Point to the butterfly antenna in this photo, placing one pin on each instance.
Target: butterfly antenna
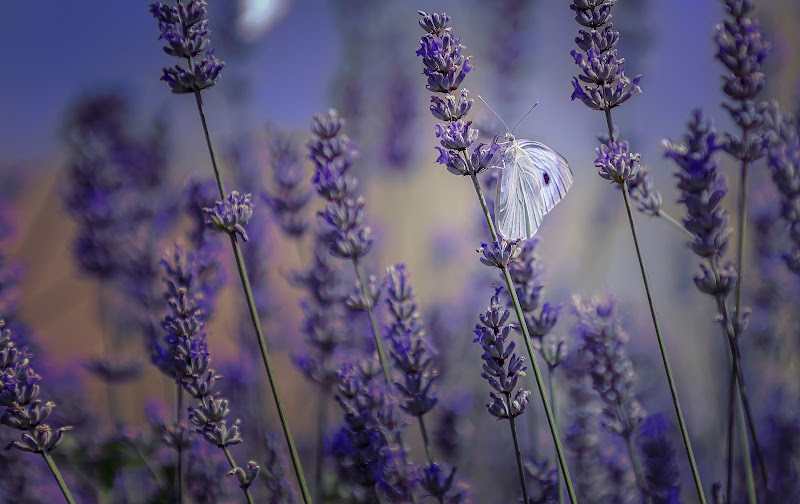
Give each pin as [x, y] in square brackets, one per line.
[495, 113]
[523, 117]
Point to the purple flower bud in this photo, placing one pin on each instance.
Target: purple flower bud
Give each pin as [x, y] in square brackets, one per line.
[616, 163]
[231, 214]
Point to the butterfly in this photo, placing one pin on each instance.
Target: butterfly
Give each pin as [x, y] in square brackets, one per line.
[533, 179]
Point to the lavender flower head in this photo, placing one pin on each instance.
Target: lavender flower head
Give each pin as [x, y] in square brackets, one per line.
[604, 343]
[411, 349]
[445, 68]
[602, 84]
[615, 162]
[702, 191]
[660, 464]
[502, 368]
[344, 216]
[784, 163]
[184, 28]
[742, 50]
[231, 215]
[289, 199]
[19, 397]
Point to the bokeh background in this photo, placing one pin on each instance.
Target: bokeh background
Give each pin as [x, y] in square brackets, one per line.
[287, 60]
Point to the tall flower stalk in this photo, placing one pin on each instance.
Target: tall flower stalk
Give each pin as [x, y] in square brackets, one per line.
[184, 28]
[445, 69]
[344, 217]
[22, 408]
[741, 49]
[184, 357]
[602, 85]
[503, 369]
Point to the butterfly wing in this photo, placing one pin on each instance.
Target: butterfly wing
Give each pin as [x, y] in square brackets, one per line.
[534, 179]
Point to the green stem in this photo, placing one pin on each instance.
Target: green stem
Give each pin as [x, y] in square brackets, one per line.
[262, 345]
[729, 454]
[57, 475]
[251, 305]
[322, 420]
[233, 465]
[662, 348]
[562, 461]
[179, 419]
[425, 441]
[376, 333]
[638, 471]
[667, 217]
[672, 389]
[554, 405]
[519, 456]
[748, 468]
[742, 221]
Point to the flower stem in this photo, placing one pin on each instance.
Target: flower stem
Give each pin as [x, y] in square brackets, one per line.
[376, 333]
[57, 475]
[322, 421]
[234, 466]
[519, 456]
[554, 405]
[667, 217]
[638, 472]
[425, 441]
[672, 389]
[562, 461]
[262, 344]
[179, 419]
[251, 305]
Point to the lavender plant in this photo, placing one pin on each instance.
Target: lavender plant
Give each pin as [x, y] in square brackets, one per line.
[603, 85]
[184, 28]
[446, 68]
[503, 369]
[22, 408]
[343, 218]
[784, 163]
[604, 343]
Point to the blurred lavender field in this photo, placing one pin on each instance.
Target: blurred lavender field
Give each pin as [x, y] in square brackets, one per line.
[103, 172]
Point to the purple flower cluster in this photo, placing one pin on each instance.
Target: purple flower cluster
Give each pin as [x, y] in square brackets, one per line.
[502, 368]
[184, 29]
[702, 191]
[784, 162]
[446, 68]
[641, 190]
[411, 349]
[741, 48]
[184, 357]
[289, 198]
[231, 215]
[333, 154]
[615, 161]
[660, 465]
[274, 474]
[367, 445]
[602, 84]
[526, 272]
[19, 397]
[604, 342]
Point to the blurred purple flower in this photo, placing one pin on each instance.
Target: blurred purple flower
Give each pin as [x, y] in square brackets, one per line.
[784, 162]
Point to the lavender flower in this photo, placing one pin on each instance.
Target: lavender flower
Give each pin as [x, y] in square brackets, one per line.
[184, 29]
[446, 68]
[231, 215]
[784, 162]
[604, 341]
[411, 350]
[641, 190]
[274, 474]
[702, 191]
[742, 49]
[499, 254]
[616, 163]
[502, 368]
[661, 468]
[602, 84]
[344, 215]
[19, 396]
[289, 199]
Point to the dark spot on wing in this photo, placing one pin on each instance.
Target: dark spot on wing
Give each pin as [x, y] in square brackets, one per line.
[546, 179]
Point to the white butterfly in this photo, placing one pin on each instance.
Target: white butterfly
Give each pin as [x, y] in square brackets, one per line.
[533, 179]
